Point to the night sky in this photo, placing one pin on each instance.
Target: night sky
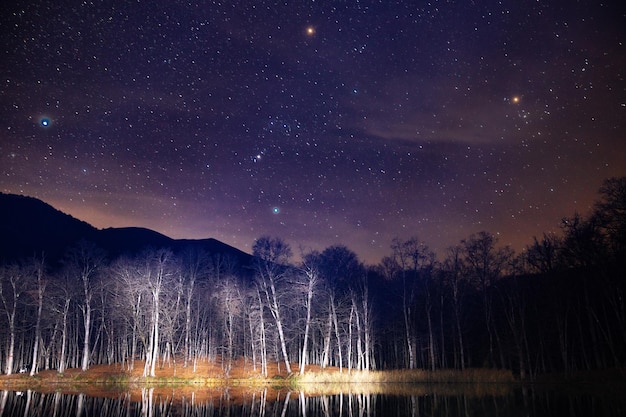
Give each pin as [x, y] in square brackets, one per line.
[322, 122]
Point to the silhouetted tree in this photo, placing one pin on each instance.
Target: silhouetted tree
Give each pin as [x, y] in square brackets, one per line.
[610, 215]
[415, 261]
[486, 263]
[455, 279]
[543, 255]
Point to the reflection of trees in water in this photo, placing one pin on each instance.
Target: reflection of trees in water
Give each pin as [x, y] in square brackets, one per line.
[154, 403]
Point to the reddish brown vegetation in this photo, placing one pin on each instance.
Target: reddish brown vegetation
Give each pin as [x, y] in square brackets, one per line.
[209, 381]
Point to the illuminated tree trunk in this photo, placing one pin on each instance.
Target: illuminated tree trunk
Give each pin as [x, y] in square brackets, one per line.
[329, 332]
[335, 322]
[262, 336]
[350, 337]
[408, 338]
[311, 281]
[62, 359]
[188, 301]
[134, 341]
[273, 255]
[196, 263]
[367, 330]
[86, 309]
[41, 287]
[279, 326]
[253, 347]
[84, 261]
[359, 337]
[155, 283]
[13, 276]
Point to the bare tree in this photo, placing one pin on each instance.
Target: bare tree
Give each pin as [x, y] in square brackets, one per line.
[172, 311]
[542, 255]
[228, 292]
[310, 271]
[38, 270]
[610, 214]
[453, 270]
[156, 274]
[412, 256]
[12, 286]
[486, 264]
[340, 270]
[130, 295]
[514, 307]
[273, 255]
[84, 260]
[195, 264]
[262, 330]
[61, 304]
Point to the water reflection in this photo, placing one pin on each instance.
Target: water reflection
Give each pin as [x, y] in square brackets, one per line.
[445, 401]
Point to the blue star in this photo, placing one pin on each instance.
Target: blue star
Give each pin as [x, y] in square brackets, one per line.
[45, 122]
[275, 210]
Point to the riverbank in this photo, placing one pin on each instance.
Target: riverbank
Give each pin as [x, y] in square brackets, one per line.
[240, 374]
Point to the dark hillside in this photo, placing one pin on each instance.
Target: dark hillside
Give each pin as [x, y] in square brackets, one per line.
[29, 226]
[130, 240]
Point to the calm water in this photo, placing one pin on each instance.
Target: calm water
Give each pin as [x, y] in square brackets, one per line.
[445, 401]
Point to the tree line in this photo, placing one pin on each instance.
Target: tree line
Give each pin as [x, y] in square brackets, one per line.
[558, 306]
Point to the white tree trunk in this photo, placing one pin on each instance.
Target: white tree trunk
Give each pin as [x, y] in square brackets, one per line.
[309, 299]
[41, 287]
[11, 352]
[333, 311]
[274, 305]
[62, 359]
[87, 326]
[155, 342]
[15, 278]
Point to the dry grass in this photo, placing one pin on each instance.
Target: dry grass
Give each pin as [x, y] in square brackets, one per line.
[209, 381]
[409, 376]
[475, 382]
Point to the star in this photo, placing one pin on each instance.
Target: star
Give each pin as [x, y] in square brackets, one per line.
[361, 121]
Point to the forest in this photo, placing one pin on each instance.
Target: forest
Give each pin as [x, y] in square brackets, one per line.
[558, 306]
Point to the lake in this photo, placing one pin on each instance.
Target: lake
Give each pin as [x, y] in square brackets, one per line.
[445, 400]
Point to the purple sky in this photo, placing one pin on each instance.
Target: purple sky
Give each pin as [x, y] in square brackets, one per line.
[385, 119]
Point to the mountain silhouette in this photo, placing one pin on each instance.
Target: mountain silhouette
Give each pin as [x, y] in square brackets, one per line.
[29, 227]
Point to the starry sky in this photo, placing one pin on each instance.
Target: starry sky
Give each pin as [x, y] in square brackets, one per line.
[322, 122]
